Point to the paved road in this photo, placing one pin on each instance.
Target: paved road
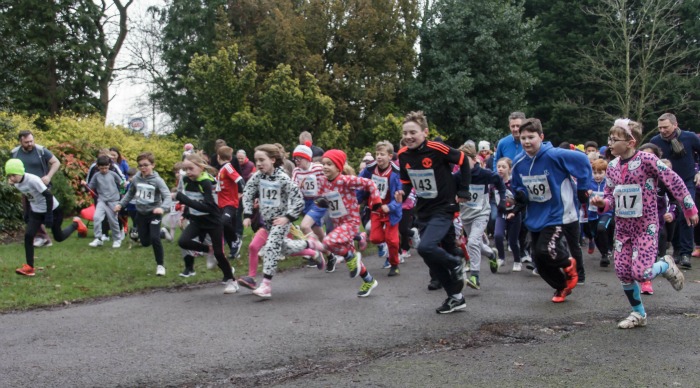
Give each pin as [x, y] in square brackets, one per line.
[316, 333]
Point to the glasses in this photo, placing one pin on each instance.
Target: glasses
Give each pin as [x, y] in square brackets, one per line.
[613, 140]
[144, 165]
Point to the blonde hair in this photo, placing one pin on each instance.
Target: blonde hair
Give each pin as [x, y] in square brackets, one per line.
[198, 160]
[469, 149]
[348, 170]
[386, 146]
[416, 117]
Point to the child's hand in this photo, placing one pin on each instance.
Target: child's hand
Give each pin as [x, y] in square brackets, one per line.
[117, 208]
[158, 211]
[398, 196]
[279, 221]
[385, 208]
[598, 201]
[692, 221]
[246, 222]
[510, 216]
[83, 183]
[668, 217]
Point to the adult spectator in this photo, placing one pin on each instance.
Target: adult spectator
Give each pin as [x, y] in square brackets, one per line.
[213, 160]
[247, 167]
[316, 151]
[485, 156]
[38, 161]
[510, 146]
[117, 158]
[682, 148]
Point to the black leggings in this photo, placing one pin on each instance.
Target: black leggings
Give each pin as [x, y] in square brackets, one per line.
[187, 241]
[229, 218]
[34, 222]
[149, 226]
[405, 229]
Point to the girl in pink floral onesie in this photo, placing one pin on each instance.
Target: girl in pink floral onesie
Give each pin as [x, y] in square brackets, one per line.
[631, 190]
[337, 194]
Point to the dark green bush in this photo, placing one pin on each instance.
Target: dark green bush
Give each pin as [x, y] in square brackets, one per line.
[10, 200]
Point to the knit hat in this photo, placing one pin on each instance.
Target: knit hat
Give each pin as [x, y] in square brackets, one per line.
[368, 158]
[14, 167]
[189, 147]
[484, 146]
[338, 158]
[303, 151]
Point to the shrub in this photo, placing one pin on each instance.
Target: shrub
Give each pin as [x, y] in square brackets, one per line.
[10, 200]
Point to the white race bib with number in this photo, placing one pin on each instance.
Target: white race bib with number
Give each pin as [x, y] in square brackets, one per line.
[476, 197]
[594, 194]
[145, 194]
[270, 193]
[424, 183]
[537, 188]
[336, 207]
[628, 201]
[382, 184]
[309, 186]
[195, 196]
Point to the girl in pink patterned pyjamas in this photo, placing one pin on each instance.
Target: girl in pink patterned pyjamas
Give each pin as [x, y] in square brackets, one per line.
[631, 190]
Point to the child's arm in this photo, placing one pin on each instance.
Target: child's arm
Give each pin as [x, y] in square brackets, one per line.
[295, 201]
[357, 183]
[394, 184]
[166, 197]
[680, 192]
[497, 181]
[249, 194]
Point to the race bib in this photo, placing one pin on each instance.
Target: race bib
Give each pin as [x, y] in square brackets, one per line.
[270, 193]
[382, 183]
[476, 197]
[195, 196]
[336, 207]
[145, 194]
[309, 186]
[537, 188]
[628, 201]
[594, 194]
[424, 183]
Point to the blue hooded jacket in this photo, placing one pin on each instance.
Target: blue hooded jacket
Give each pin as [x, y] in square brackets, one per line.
[547, 183]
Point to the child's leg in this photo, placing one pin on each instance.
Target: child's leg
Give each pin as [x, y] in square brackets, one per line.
[572, 234]
[405, 229]
[499, 234]
[143, 226]
[217, 243]
[273, 249]
[154, 235]
[58, 233]
[513, 227]
[255, 245]
[550, 256]
[391, 236]
[228, 219]
[602, 234]
[474, 230]
[34, 222]
[111, 217]
[98, 217]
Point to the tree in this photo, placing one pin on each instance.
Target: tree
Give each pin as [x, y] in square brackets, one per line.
[641, 59]
[474, 66]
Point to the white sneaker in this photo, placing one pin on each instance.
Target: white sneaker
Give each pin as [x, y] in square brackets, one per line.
[415, 240]
[166, 234]
[517, 267]
[39, 242]
[105, 237]
[160, 270]
[117, 244]
[635, 319]
[96, 243]
[211, 261]
[501, 262]
[535, 272]
[231, 287]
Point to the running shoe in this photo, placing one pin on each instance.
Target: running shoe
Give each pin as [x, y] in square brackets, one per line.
[591, 247]
[451, 305]
[673, 274]
[605, 260]
[26, 270]
[685, 262]
[517, 267]
[493, 263]
[320, 261]
[560, 295]
[387, 264]
[211, 260]
[635, 319]
[647, 289]
[473, 282]
[248, 282]
[187, 273]
[160, 270]
[366, 288]
[165, 233]
[117, 244]
[39, 242]
[394, 271]
[96, 243]
[415, 240]
[382, 250]
[330, 266]
[355, 265]
[81, 228]
[571, 274]
[264, 290]
[527, 260]
[231, 287]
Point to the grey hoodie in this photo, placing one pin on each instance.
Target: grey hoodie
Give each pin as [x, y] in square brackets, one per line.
[148, 193]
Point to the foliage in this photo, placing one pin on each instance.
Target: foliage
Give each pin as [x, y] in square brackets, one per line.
[10, 201]
[475, 66]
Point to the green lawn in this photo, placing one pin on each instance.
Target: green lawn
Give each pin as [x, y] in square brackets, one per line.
[72, 271]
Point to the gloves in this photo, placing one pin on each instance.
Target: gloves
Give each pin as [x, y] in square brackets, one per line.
[582, 196]
[322, 202]
[463, 194]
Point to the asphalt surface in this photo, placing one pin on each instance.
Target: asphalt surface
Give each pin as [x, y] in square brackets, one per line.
[315, 332]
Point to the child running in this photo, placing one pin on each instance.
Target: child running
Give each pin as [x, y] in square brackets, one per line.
[425, 166]
[152, 200]
[107, 184]
[280, 204]
[631, 190]
[600, 228]
[385, 221]
[542, 182]
[204, 216]
[507, 222]
[337, 194]
[40, 200]
[229, 189]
